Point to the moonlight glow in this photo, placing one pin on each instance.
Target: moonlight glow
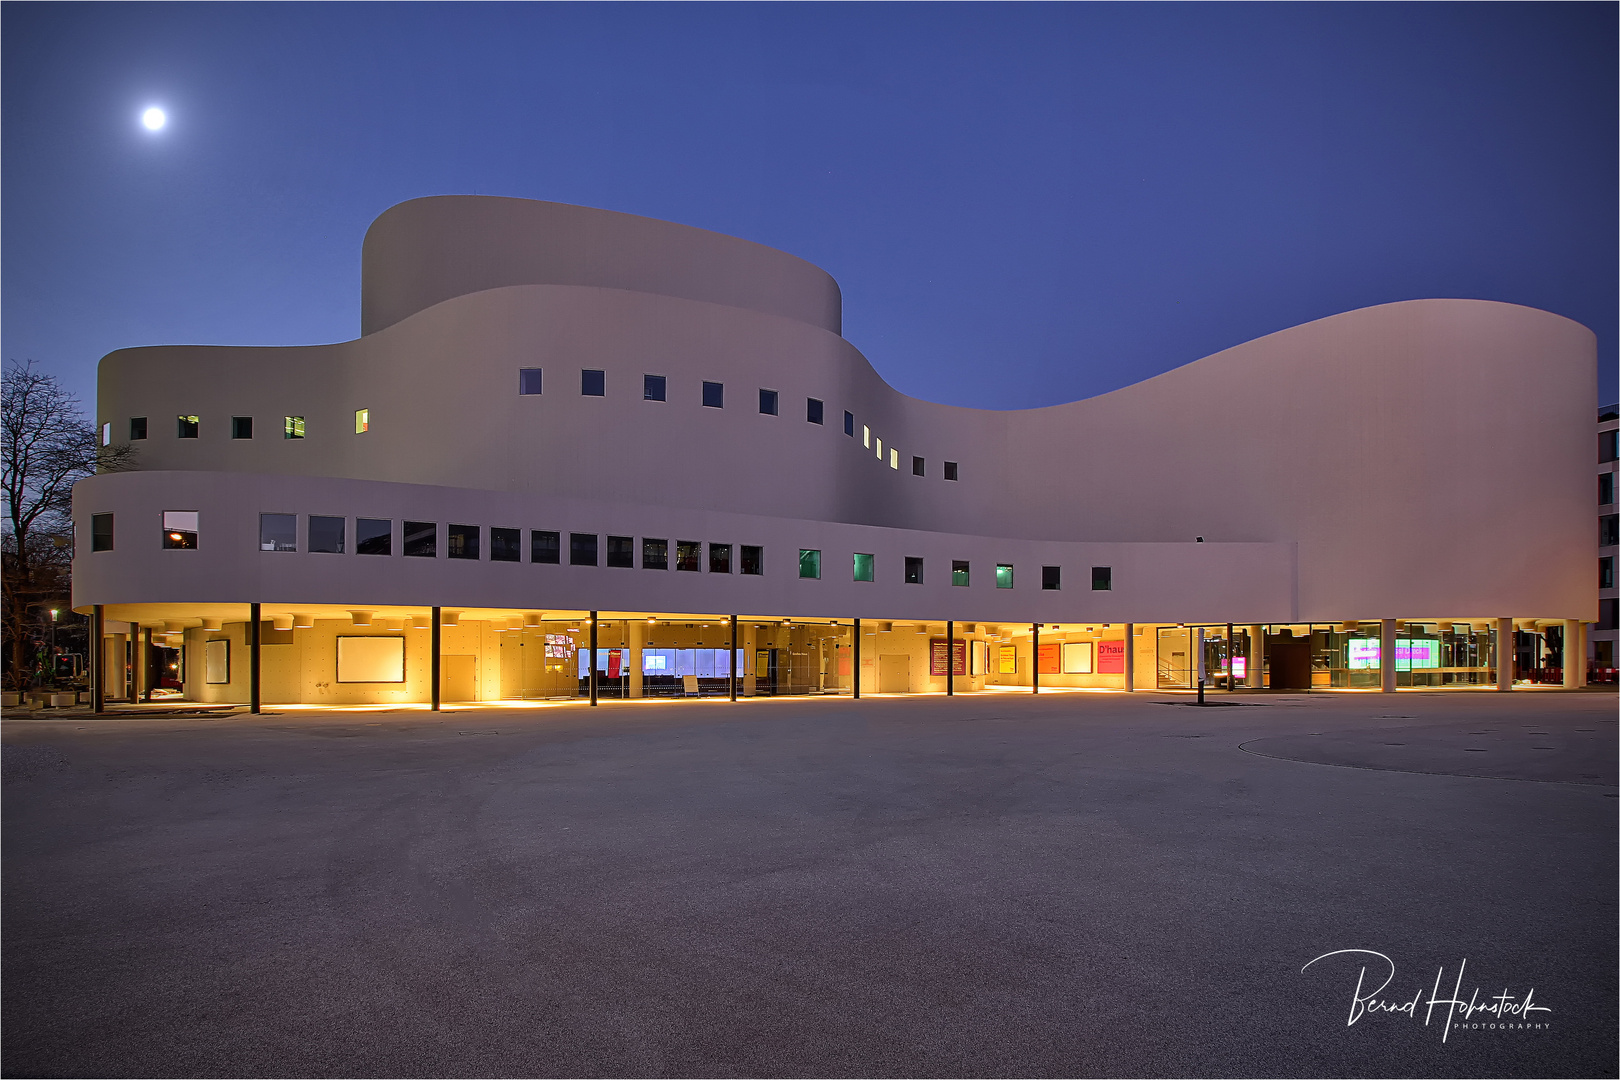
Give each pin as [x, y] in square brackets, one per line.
[154, 118]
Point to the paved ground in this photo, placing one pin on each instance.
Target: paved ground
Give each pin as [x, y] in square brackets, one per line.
[1076, 885]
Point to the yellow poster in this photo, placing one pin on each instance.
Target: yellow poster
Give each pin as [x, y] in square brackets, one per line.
[1007, 660]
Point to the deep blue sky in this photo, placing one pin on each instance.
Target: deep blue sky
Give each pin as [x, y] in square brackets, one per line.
[1023, 204]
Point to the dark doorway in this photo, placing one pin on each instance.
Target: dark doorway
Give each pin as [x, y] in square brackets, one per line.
[1289, 660]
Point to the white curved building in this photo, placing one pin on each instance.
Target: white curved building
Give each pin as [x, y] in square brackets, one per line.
[553, 411]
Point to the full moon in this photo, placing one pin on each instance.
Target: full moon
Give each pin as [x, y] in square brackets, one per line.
[154, 118]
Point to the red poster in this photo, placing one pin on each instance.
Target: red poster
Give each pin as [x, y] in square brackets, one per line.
[1049, 661]
[615, 663]
[1110, 657]
[936, 657]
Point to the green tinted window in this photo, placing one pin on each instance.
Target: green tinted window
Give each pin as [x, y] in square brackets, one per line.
[1004, 575]
[809, 563]
[863, 567]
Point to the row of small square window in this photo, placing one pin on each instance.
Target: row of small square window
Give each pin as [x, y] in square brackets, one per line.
[189, 426]
[865, 569]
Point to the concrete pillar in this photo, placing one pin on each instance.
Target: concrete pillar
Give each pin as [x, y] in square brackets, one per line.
[1034, 658]
[1386, 654]
[436, 645]
[1130, 657]
[1254, 673]
[1574, 654]
[855, 658]
[1505, 652]
[637, 641]
[751, 680]
[592, 667]
[254, 670]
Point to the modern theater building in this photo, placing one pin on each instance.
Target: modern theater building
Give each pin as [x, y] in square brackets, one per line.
[562, 424]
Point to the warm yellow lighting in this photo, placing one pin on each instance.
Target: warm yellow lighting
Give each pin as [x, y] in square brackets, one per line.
[362, 421]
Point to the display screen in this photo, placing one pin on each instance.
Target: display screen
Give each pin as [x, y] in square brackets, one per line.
[1410, 653]
[1361, 653]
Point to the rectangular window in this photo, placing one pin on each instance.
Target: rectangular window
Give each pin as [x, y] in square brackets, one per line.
[719, 558]
[106, 434]
[866, 436]
[917, 467]
[180, 529]
[278, 532]
[241, 427]
[505, 545]
[1608, 616]
[768, 402]
[849, 423]
[1605, 564]
[654, 554]
[461, 541]
[292, 427]
[950, 470]
[137, 427]
[545, 547]
[326, 534]
[362, 421]
[582, 549]
[621, 551]
[652, 388]
[894, 458]
[1102, 578]
[714, 395]
[688, 556]
[809, 563]
[959, 572]
[101, 533]
[528, 381]
[752, 560]
[914, 570]
[373, 536]
[421, 540]
[865, 567]
[1608, 530]
[1051, 578]
[1004, 575]
[1605, 488]
[812, 410]
[592, 383]
[186, 427]
[1606, 445]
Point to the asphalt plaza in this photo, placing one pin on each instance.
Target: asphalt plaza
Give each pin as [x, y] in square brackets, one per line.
[1069, 885]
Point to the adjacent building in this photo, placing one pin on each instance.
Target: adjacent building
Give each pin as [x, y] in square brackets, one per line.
[1606, 631]
[562, 424]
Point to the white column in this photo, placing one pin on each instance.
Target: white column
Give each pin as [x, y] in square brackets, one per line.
[638, 639]
[1574, 654]
[1386, 654]
[1505, 652]
[1255, 667]
[1130, 657]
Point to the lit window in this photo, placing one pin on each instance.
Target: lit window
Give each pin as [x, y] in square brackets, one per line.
[809, 563]
[186, 427]
[654, 554]
[864, 567]
[714, 395]
[719, 558]
[866, 436]
[421, 539]
[545, 547]
[101, 532]
[688, 556]
[582, 549]
[1102, 578]
[652, 387]
[373, 536]
[849, 423]
[292, 427]
[914, 570]
[812, 410]
[894, 458]
[137, 427]
[917, 468]
[1004, 576]
[879, 448]
[106, 434]
[180, 529]
[950, 470]
[241, 427]
[461, 541]
[959, 572]
[278, 532]
[767, 402]
[326, 534]
[621, 551]
[752, 560]
[1051, 578]
[362, 421]
[592, 383]
[528, 381]
[505, 545]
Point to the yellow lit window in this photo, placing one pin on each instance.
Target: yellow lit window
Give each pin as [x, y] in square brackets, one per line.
[362, 420]
[866, 435]
[293, 428]
[879, 448]
[894, 458]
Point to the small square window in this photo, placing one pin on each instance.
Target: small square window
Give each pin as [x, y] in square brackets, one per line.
[241, 427]
[101, 532]
[719, 558]
[373, 536]
[914, 570]
[180, 529]
[1102, 578]
[752, 560]
[688, 556]
[278, 532]
[1051, 578]
[813, 410]
[917, 467]
[186, 427]
[505, 545]
[326, 534]
[959, 572]
[362, 421]
[849, 424]
[809, 563]
[950, 470]
[592, 383]
[582, 549]
[545, 547]
[421, 540]
[106, 434]
[864, 567]
[714, 395]
[292, 427]
[137, 427]
[461, 541]
[767, 402]
[654, 554]
[621, 551]
[528, 381]
[1004, 576]
[652, 387]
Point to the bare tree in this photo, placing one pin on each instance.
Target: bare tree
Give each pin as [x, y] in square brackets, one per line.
[46, 446]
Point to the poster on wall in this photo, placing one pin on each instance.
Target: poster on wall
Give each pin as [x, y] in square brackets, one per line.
[979, 658]
[1110, 658]
[1047, 663]
[936, 656]
[1077, 657]
[370, 659]
[1007, 660]
[218, 656]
